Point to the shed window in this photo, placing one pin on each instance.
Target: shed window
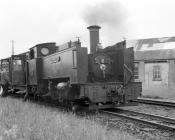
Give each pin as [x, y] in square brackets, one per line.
[156, 73]
[136, 71]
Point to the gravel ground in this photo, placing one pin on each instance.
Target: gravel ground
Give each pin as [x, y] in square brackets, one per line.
[140, 131]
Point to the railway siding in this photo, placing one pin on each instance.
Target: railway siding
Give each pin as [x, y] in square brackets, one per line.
[147, 119]
[162, 102]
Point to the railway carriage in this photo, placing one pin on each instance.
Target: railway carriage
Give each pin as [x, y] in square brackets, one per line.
[69, 75]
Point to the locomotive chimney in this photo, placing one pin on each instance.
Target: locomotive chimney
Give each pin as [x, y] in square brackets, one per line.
[94, 37]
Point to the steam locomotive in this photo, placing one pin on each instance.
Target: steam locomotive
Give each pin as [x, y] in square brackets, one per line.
[69, 75]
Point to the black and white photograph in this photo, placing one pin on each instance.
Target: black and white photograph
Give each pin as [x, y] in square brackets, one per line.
[87, 70]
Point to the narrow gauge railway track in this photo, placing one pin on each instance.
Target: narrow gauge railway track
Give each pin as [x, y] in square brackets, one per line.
[155, 102]
[144, 118]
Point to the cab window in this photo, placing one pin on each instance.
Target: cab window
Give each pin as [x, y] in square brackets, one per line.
[17, 65]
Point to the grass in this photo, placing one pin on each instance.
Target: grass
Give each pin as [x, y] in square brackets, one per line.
[28, 121]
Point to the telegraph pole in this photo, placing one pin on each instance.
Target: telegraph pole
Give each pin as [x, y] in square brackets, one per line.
[13, 47]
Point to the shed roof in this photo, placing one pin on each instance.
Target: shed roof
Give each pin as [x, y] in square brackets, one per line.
[152, 43]
[155, 54]
[153, 48]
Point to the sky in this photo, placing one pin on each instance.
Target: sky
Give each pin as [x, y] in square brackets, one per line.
[29, 22]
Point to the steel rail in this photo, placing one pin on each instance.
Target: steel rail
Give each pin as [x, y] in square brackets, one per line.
[164, 118]
[155, 102]
[148, 119]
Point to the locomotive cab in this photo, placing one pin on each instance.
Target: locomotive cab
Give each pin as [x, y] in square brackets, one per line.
[42, 50]
[18, 70]
[5, 77]
[5, 68]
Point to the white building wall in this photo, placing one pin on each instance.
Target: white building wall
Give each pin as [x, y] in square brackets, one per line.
[164, 88]
[149, 82]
